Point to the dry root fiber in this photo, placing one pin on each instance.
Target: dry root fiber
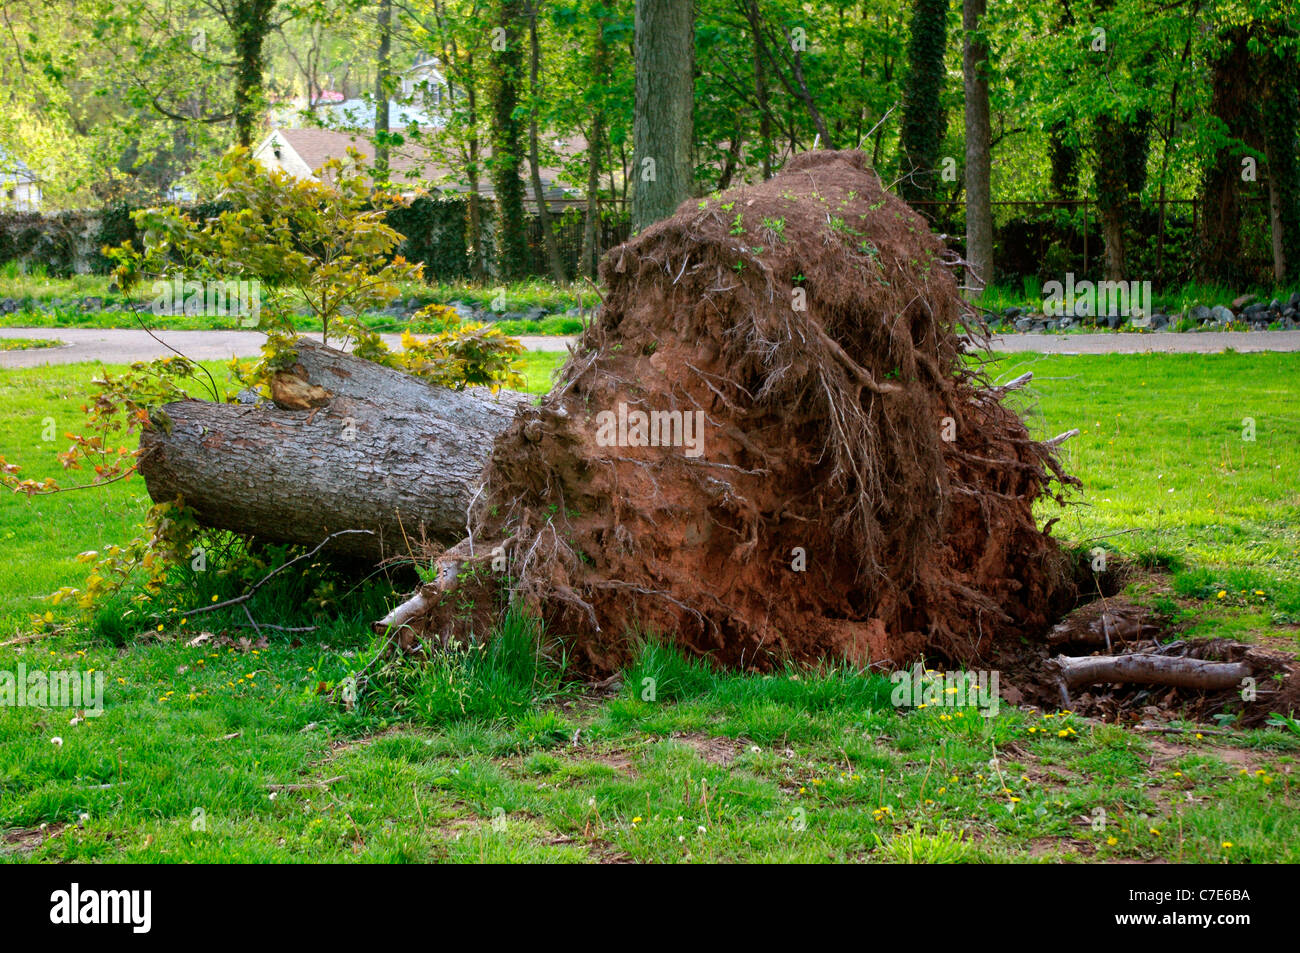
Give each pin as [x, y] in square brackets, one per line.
[854, 489]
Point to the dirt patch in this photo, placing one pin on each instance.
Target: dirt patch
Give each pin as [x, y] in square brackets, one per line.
[1041, 847]
[1053, 775]
[714, 750]
[24, 840]
[619, 760]
[767, 447]
[1165, 752]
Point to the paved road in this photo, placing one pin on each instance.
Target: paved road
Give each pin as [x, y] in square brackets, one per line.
[1200, 342]
[127, 345]
[124, 346]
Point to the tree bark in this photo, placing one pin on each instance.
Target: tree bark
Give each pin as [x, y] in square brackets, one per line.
[250, 22]
[1151, 670]
[382, 67]
[1280, 111]
[507, 148]
[924, 120]
[979, 167]
[662, 114]
[553, 259]
[1220, 218]
[477, 267]
[760, 87]
[379, 450]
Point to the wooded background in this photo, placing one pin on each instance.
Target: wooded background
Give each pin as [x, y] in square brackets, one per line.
[1161, 134]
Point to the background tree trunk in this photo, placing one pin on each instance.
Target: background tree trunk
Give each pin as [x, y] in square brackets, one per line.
[591, 250]
[382, 451]
[553, 259]
[1280, 111]
[661, 124]
[924, 118]
[381, 92]
[600, 75]
[250, 23]
[477, 266]
[1220, 219]
[979, 169]
[507, 150]
[755, 21]
[1120, 174]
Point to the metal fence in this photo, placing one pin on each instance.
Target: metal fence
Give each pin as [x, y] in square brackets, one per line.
[1047, 238]
[568, 224]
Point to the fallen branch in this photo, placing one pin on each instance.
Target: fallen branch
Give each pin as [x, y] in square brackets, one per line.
[24, 639]
[1145, 669]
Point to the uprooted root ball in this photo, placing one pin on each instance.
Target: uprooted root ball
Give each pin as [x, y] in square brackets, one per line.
[768, 446]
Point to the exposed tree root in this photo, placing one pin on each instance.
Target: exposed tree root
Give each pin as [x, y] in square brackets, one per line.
[850, 486]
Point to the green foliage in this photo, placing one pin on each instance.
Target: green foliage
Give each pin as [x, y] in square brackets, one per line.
[325, 243]
[116, 227]
[435, 233]
[47, 243]
[473, 355]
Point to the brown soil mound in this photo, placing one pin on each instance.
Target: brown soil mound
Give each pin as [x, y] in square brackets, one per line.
[854, 490]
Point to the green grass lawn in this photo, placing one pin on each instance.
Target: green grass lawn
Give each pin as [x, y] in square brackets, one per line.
[221, 751]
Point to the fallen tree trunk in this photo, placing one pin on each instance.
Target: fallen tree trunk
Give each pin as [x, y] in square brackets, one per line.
[347, 444]
[1146, 669]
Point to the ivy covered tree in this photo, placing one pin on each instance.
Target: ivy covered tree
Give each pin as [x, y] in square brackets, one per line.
[924, 120]
[506, 162]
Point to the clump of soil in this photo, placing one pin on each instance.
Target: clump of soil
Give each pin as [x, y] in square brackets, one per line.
[855, 488]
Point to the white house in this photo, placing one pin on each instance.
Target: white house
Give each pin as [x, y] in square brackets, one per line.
[425, 81]
[414, 166]
[20, 189]
[334, 112]
[421, 101]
